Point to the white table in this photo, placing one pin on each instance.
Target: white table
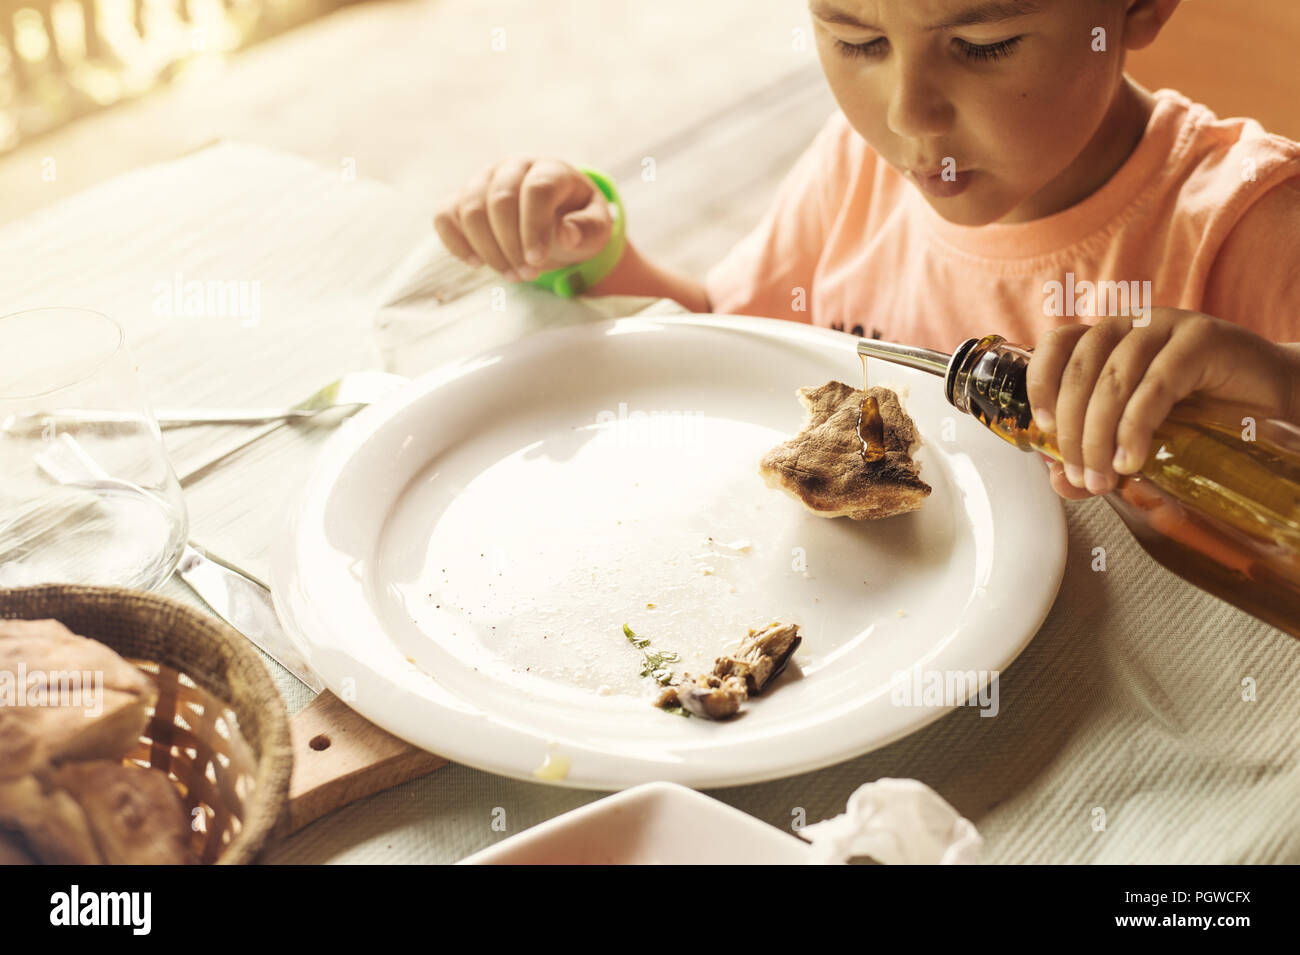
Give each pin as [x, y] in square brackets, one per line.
[1122, 734]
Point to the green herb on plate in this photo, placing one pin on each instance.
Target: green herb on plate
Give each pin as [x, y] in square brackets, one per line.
[654, 662]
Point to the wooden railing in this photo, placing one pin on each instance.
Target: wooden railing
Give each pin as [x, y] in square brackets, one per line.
[60, 59]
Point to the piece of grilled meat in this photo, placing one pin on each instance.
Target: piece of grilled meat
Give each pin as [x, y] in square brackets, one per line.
[759, 660]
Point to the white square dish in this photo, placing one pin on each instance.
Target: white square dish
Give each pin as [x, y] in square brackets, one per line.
[656, 823]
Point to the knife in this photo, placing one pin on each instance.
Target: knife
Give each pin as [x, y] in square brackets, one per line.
[244, 602]
[338, 755]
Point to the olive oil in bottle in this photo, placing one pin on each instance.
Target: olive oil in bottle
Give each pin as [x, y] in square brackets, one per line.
[1217, 500]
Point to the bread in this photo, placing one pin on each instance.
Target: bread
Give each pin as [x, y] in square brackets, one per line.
[71, 709]
[65, 697]
[51, 824]
[99, 812]
[13, 851]
[135, 814]
[822, 467]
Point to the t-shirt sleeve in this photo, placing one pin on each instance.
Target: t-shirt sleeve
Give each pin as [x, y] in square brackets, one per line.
[1255, 278]
[763, 273]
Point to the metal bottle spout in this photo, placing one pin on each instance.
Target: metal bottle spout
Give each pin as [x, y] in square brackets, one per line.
[922, 359]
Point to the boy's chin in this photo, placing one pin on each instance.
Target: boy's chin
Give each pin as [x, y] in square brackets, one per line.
[969, 209]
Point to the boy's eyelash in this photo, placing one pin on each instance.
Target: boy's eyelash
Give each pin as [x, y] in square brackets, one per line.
[988, 51]
[972, 51]
[873, 48]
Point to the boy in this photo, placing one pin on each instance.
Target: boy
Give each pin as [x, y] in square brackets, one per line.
[991, 169]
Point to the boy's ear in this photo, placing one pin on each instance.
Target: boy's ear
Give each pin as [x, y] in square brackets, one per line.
[1145, 19]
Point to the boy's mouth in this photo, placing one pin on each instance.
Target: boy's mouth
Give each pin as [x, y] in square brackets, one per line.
[939, 186]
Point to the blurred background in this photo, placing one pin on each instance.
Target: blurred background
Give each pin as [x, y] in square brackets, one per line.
[421, 93]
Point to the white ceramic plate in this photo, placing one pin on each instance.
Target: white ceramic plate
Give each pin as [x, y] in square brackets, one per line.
[465, 555]
[653, 824]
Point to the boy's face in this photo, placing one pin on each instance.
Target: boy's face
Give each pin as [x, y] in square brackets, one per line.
[1012, 99]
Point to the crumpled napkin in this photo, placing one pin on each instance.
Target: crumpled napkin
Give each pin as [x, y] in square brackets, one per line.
[895, 822]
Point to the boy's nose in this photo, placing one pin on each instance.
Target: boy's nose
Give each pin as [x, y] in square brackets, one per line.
[917, 109]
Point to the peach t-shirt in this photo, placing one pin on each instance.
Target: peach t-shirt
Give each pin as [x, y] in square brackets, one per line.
[1205, 210]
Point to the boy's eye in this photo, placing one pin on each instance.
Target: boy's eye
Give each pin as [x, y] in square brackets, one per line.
[987, 51]
[972, 51]
[875, 47]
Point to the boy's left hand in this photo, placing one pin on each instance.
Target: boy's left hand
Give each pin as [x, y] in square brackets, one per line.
[1108, 386]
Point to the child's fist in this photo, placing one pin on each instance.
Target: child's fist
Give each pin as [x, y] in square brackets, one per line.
[1105, 388]
[525, 216]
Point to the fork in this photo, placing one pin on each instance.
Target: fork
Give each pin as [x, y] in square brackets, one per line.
[353, 391]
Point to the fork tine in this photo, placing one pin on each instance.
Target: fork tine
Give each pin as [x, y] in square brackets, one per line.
[320, 399]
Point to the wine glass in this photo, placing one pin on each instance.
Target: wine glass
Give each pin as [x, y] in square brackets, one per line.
[68, 385]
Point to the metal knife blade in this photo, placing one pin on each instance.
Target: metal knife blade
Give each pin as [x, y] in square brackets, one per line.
[244, 602]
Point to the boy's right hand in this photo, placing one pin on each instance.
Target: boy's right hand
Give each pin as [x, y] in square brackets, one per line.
[525, 216]
[1109, 385]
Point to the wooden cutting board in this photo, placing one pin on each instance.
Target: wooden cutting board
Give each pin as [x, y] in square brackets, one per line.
[339, 757]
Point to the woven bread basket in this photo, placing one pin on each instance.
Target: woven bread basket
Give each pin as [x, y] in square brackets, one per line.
[219, 730]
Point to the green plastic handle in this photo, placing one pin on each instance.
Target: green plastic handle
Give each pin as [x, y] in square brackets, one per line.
[572, 280]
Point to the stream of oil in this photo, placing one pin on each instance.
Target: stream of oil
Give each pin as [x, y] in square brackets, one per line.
[871, 430]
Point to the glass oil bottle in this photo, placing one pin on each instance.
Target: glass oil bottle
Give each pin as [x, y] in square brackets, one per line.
[1217, 500]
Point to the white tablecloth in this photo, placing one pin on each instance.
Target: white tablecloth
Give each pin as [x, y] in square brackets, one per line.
[1123, 733]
